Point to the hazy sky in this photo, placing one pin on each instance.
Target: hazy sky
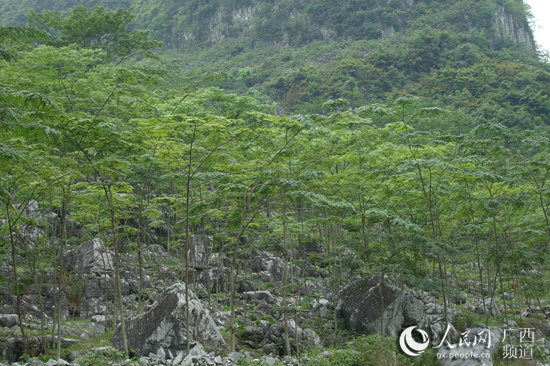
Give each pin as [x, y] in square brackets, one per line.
[541, 11]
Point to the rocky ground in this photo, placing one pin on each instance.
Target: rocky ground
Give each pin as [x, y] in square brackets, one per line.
[156, 312]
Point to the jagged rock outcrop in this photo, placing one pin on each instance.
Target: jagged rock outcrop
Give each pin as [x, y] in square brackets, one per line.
[274, 339]
[93, 262]
[48, 293]
[269, 268]
[259, 296]
[507, 26]
[360, 305]
[9, 320]
[90, 258]
[226, 20]
[198, 253]
[480, 307]
[164, 325]
[12, 348]
[321, 308]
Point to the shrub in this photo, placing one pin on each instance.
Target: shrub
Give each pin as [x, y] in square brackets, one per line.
[103, 357]
[269, 318]
[372, 350]
[466, 319]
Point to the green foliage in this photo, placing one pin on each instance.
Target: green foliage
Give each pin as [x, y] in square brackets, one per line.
[381, 180]
[466, 319]
[383, 50]
[370, 351]
[96, 28]
[269, 318]
[73, 287]
[103, 357]
[24, 358]
[251, 362]
[11, 37]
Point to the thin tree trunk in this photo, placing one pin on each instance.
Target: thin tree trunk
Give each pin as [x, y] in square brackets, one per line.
[11, 227]
[109, 196]
[381, 292]
[32, 266]
[140, 260]
[503, 298]
[285, 278]
[443, 292]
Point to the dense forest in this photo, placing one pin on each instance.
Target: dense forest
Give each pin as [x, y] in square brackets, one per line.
[272, 183]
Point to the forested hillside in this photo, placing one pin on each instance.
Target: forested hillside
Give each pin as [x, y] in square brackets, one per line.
[280, 183]
[299, 54]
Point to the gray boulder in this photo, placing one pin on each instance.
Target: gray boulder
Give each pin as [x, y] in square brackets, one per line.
[270, 267]
[217, 278]
[492, 307]
[359, 304]
[91, 257]
[12, 348]
[9, 320]
[93, 262]
[195, 354]
[28, 236]
[436, 326]
[268, 360]
[164, 325]
[221, 318]
[480, 307]
[48, 295]
[198, 251]
[321, 308]
[73, 355]
[259, 296]
[274, 339]
[245, 286]
[93, 307]
[253, 335]
[413, 311]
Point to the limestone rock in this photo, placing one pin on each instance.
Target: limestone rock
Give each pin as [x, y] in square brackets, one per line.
[274, 338]
[259, 296]
[221, 318]
[321, 308]
[492, 307]
[13, 347]
[254, 334]
[91, 257]
[48, 294]
[164, 325]
[508, 27]
[359, 305]
[271, 267]
[9, 320]
[480, 307]
[93, 307]
[413, 311]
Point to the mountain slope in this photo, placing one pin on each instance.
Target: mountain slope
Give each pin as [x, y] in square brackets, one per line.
[297, 22]
[299, 53]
